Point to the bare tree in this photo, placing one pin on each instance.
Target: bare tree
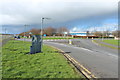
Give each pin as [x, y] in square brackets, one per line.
[21, 34]
[35, 31]
[116, 33]
[87, 33]
[98, 33]
[49, 31]
[61, 30]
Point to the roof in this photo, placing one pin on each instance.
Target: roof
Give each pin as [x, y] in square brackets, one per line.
[77, 32]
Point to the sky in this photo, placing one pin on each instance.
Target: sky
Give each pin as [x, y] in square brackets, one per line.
[76, 15]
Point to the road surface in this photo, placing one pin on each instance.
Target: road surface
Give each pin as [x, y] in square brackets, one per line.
[101, 61]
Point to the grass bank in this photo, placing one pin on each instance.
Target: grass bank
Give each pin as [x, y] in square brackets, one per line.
[16, 63]
[56, 38]
[105, 45]
[114, 42]
[46, 38]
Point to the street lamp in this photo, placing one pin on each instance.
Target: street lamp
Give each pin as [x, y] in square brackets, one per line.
[24, 32]
[103, 34]
[42, 20]
[5, 33]
[25, 28]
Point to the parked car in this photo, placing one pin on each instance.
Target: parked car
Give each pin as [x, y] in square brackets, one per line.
[15, 36]
[18, 37]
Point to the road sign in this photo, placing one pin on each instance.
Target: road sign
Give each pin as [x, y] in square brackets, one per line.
[44, 35]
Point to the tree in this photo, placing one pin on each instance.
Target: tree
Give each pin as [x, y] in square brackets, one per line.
[61, 30]
[98, 33]
[49, 31]
[21, 34]
[35, 31]
[116, 33]
[87, 33]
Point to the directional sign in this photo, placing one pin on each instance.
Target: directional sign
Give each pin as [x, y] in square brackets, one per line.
[44, 35]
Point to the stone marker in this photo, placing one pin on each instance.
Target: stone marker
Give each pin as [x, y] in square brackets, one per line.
[36, 44]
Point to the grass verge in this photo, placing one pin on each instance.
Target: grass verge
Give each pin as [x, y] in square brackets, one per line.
[56, 38]
[105, 45]
[16, 63]
[114, 42]
[47, 38]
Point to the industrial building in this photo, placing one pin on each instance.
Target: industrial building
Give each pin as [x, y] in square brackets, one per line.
[82, 35]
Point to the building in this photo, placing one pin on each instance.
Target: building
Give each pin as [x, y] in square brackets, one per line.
[78, 33]
[82, 35]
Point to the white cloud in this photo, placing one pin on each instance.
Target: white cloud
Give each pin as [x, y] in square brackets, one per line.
[104, 27]
[31, 11]
[77, 29]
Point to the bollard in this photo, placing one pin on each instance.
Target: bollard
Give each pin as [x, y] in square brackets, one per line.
[70, 41]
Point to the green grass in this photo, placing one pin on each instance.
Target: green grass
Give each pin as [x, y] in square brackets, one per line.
[45, 38]
[49, 64]
[56, 38]
[114, 42]
[105, 45]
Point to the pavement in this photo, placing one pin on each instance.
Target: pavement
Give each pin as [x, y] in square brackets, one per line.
[100, 61]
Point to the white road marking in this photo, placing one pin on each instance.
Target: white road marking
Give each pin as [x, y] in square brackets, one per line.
[106, 53]
[86, 49]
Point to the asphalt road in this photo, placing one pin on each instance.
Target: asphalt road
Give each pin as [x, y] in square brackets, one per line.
[101, 61]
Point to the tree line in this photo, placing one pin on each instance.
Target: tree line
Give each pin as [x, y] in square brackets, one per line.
[107, 33]
[49, 31]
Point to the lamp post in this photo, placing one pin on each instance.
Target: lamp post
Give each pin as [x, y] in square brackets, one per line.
[24, 32]
[41, 33]
[5, 33]
[103, 34]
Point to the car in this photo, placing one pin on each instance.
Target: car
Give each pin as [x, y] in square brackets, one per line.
[18, 37]
[15, 36]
